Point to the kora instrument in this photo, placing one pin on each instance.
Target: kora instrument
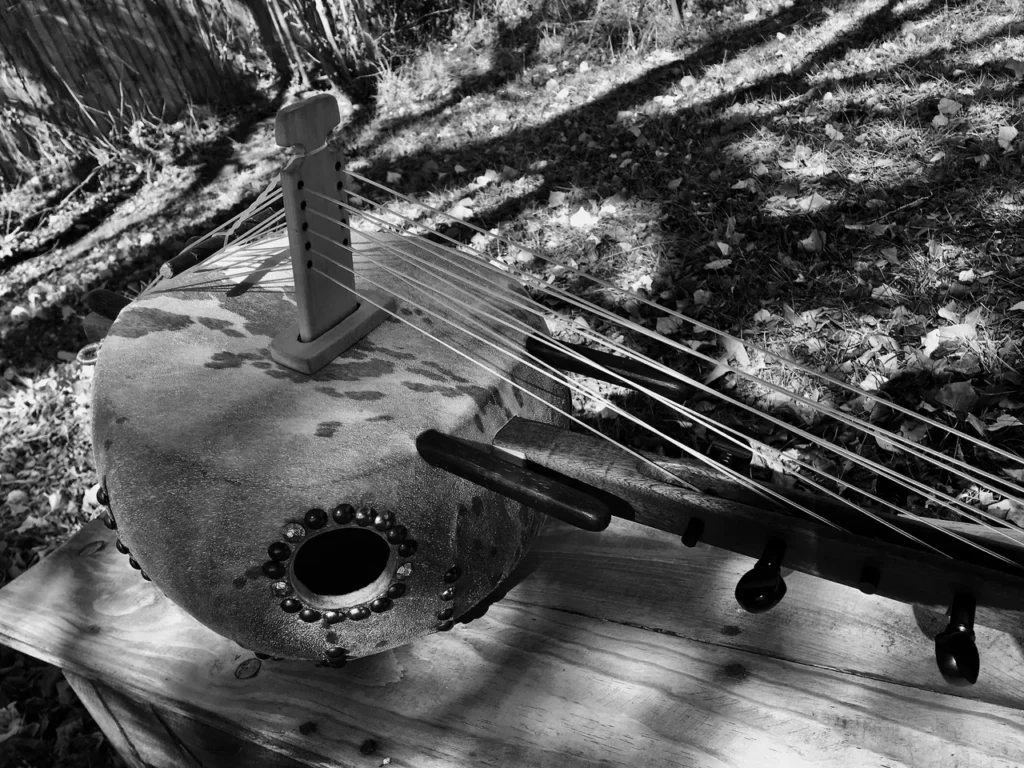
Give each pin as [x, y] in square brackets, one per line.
[326, 442]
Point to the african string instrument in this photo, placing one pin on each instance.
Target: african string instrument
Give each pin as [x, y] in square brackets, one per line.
[340, 433]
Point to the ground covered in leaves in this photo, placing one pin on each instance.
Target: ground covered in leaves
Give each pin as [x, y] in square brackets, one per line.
[839, 181]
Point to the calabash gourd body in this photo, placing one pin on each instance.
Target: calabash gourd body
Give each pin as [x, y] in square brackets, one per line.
[289, 512]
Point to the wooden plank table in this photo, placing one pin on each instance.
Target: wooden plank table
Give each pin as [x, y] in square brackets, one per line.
[618, 648]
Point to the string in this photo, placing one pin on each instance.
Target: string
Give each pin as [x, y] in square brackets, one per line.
[474, 287]
[925, 491]
[704, 326]
[269, 196]
[922, 452]
[626, 349]
[936, 458]
[740, 478]
[850, 421]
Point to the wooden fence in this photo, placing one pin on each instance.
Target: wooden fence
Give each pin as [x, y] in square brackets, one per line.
[82, 65]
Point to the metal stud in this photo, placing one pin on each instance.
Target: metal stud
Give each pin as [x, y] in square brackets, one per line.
[261, 656]
[281, 588]
[396, 590]
[397, 534]
[381, 604]
[279, 551]
[444, 626]
[448, 594]
[102, 497]
[315, 518]
[333, 617]
[358, 613]
[309, 615]
[383, 521]
[364, 516]
[134, 563]
[343, 514]
[291, 605]
[109, 521]
[407, 548]
[121, 547]
[452, 574]
[144, 576]
[273, 569]
[446, 614]
[337, 652]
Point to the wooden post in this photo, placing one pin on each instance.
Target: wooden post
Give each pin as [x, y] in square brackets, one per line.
[330, 319]
[313, 223]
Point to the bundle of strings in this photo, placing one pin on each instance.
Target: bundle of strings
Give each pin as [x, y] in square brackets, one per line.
[374, 208]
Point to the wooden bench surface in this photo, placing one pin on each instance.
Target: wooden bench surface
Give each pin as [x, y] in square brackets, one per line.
[618, 648]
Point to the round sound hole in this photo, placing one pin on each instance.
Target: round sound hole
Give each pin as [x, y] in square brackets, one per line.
[341, 567]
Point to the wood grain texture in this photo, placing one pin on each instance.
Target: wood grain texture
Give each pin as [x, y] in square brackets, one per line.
[612, 652]
[148, 737]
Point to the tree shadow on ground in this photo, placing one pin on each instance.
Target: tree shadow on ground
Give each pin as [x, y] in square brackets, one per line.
[573, 166]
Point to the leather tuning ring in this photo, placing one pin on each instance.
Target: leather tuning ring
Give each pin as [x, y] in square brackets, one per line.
[955, 650]
[762, 587]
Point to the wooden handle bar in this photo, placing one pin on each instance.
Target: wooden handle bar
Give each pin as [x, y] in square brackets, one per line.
[897, 571]
[561, 499]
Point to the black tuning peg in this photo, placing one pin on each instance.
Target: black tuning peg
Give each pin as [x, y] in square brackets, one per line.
[762, 587]
[955, 650]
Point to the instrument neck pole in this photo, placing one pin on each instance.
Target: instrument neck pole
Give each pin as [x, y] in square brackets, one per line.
[319, 238]
[331, 315]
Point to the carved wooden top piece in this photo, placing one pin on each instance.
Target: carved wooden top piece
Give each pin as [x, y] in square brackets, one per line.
[307, 123]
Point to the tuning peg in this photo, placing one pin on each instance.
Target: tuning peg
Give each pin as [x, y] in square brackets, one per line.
[694, 530]
[955, 650]
[762, 587]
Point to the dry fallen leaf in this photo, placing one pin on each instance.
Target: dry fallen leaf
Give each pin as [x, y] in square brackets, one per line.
[461, 210]
[582, 219]
[556, 199]
[833, 133]
[668, 325]
[1003, 421]
[959, 396]
[951, 334]
[736, 350]
[813, 243]
[1007, 133]
[813, 202]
